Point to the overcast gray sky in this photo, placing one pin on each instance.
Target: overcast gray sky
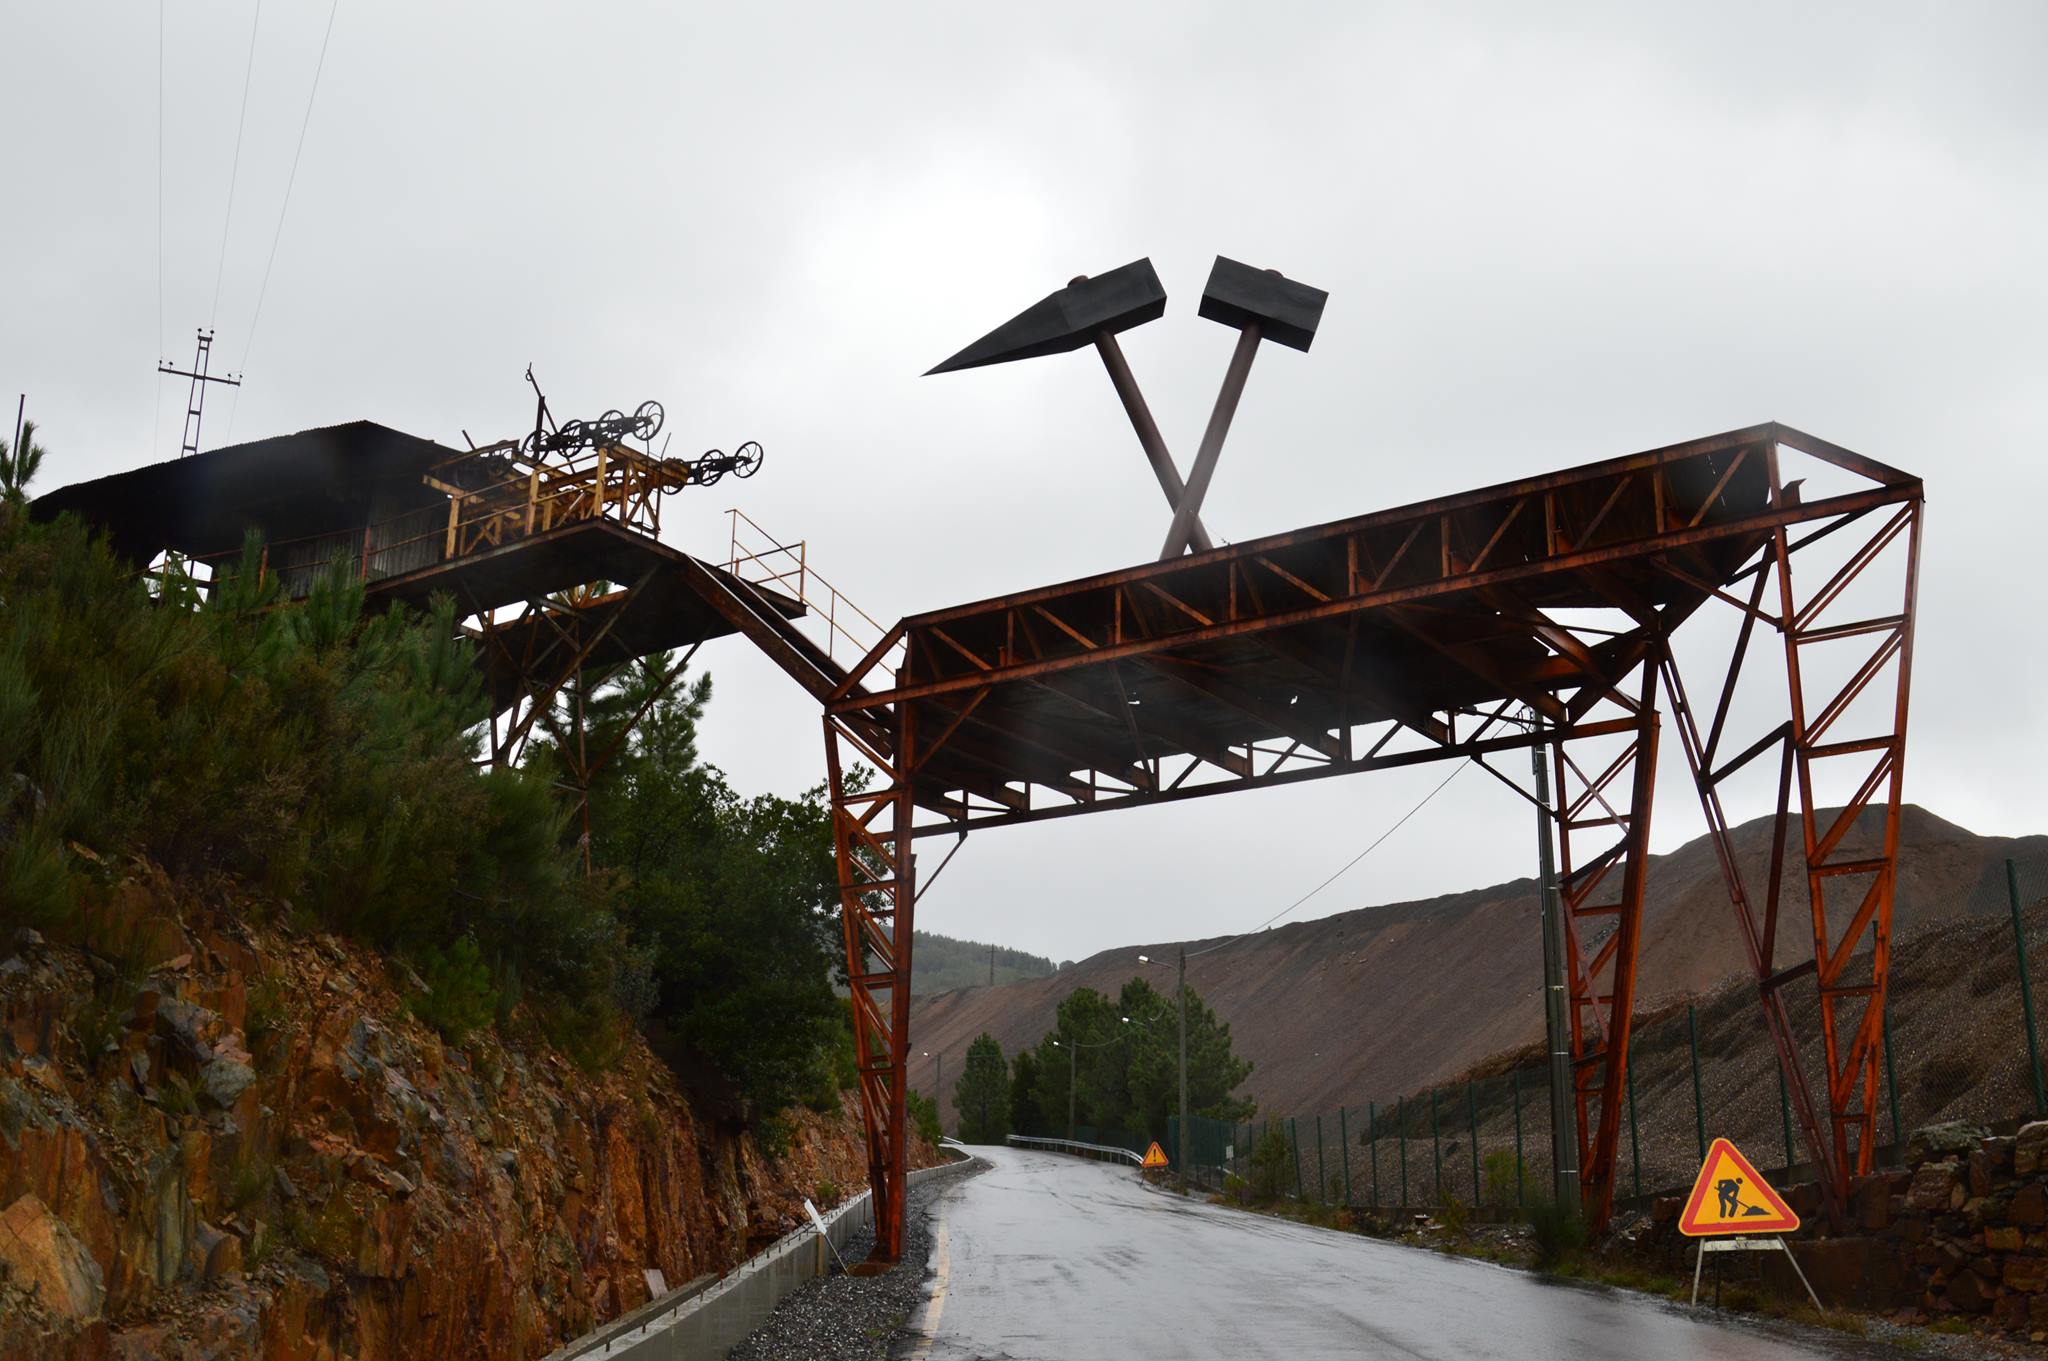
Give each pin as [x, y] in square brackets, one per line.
[1550, 233]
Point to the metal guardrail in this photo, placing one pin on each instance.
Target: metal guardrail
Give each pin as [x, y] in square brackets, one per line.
[1076, 1146]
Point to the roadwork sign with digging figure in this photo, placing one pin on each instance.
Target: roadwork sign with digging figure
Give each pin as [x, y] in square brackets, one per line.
[1731, 1197]
[1742, 1202]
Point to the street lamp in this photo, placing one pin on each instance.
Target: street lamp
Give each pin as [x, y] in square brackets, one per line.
[1181, 1004]
[938, 1085]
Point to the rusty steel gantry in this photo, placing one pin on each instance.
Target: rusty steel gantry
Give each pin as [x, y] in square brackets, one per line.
[1415, 635]
[1418, 634]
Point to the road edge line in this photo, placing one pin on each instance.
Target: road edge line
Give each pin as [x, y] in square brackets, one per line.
[935, 1303]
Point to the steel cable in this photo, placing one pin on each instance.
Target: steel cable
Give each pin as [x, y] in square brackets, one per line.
[1343, 870]
[235, 166]
[284, 208]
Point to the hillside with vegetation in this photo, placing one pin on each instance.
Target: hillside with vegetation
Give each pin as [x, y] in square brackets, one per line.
[941, 964]
[314, 1027]
[1381, 1001]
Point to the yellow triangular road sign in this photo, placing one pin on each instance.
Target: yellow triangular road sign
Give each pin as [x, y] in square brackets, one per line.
[1732, 1197]
[1155, 1156]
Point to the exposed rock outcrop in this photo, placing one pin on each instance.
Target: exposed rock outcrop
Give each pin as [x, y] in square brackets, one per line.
[237, 1145]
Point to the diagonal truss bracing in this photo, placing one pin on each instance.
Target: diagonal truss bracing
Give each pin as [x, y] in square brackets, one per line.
[1540, 611]
[1845, 627]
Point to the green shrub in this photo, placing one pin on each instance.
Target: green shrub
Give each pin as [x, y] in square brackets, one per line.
[1450, 1212]
[458, 997]
[264, 1015]
[773, 1134]
[249, 1184]
[1556, 1231]
[1505, 1177]
[924, 1113]
[178, 1096]
[591, 1032]
[1272, 1165]
[96, 1022]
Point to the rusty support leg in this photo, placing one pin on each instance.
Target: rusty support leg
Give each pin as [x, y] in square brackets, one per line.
[1845, 861]
[877, 893]
[1758, 945]
[1839, 867]
[1603, 820]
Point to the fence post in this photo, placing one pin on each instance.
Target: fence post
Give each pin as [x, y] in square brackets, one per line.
[1635, 1147]
[1401, 1121]
[1785, 1110]
[2019, 948]
[1322, 1171]
[1891, 1076]
[1294, 1139]
[1521, 1180]
[1372, 1135]
[1472, 1129]
[1699, 1107]
[1436, 1145]
[1344, 1154]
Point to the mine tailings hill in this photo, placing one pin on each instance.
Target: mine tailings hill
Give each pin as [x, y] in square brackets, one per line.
[1387, 1000]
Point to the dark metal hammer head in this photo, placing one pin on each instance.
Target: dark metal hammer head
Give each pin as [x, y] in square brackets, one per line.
[1073, 317]
[1284, 311]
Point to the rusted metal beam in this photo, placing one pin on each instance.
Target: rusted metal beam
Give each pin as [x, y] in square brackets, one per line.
[1336, 609]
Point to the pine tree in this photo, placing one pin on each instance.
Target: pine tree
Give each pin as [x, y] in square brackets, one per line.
[982, 1095]
[18, 464]
[1025, 1115]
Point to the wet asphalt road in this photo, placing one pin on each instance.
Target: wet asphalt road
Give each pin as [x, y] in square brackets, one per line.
[1046, 1258]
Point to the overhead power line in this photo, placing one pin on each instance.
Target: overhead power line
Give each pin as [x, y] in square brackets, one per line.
[235, 168]
[157, 427]
[285, 207]
[1345, 868]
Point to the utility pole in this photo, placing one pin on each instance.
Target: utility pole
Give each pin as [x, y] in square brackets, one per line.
[1182, 1152]
[1564, 1137]
[991, 966]
[196, 401]
[1072, 1050]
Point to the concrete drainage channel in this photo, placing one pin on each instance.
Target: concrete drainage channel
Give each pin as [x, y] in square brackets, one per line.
[706, 1319]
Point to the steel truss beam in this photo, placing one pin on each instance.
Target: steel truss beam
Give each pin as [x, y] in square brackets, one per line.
[1854, 725]
[1404, 637]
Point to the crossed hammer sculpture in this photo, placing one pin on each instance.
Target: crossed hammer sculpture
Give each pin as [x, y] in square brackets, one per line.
[1261, 304]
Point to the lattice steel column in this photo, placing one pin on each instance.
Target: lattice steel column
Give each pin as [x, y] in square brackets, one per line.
[1825, 731]
[877, 894]
[1603, 825]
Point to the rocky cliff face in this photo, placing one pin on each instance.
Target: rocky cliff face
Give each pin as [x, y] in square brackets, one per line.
[233, 1143]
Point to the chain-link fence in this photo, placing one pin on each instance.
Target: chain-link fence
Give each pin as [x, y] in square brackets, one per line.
[1960, 1042]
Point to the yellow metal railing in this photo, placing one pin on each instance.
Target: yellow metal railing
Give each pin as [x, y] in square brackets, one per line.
[760, 559]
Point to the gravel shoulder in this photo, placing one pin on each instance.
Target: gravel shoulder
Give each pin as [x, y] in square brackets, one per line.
[855, 1318]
